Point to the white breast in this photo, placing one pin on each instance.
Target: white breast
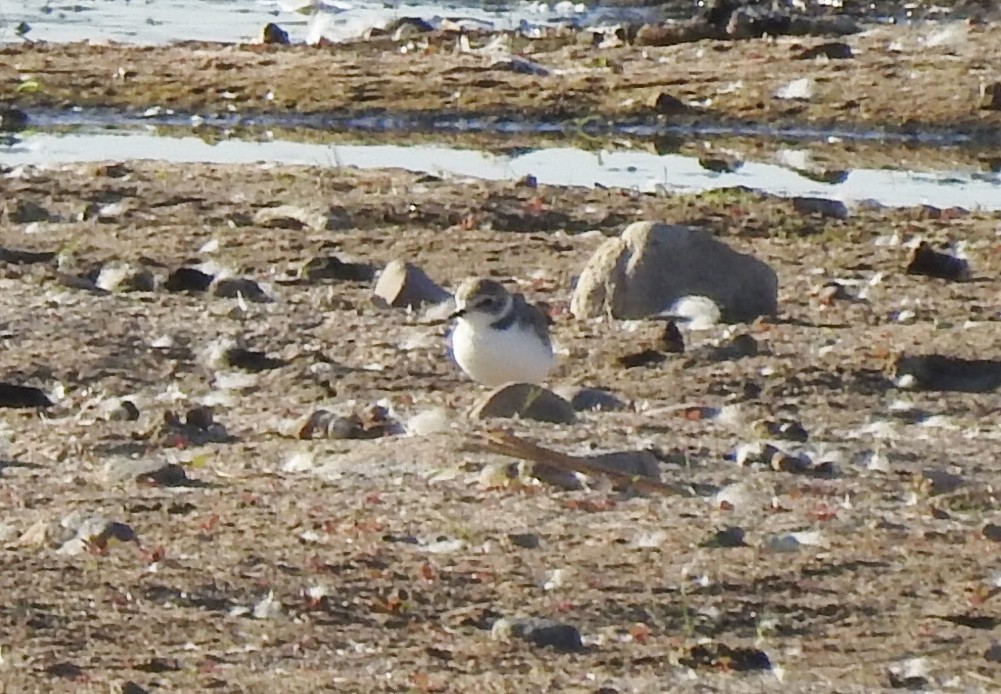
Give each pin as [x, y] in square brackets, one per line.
[493, 357]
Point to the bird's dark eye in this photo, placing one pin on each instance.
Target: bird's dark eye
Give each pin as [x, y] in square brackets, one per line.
[487, 302]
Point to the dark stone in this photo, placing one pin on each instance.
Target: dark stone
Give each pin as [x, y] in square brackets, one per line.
[991, 100]
[170, 475]
[547, 633]
[12, 119]
[324, 424]
[925, 260]
[672, 341]
[157, 665]
[731, 536]
[590, 399]
[738, 347]
[823, 207]
[783, 429]
[670, 34]
[524, 540]
[113, 170]
[668, 104]
[833, 50]
[200, 417]
[945, 373]
[828, 176]
[328, 267]
[15, 257]
[15, 396]
[65, 670]
[188, 279]
[26, 212]
[126, 412]
[716, 656]
[249, 360]
[647, 357]
[234, 287]
[992, 531]
[274, 34]
[720, 165]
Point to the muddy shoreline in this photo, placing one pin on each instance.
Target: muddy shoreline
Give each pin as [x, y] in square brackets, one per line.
[900, 79]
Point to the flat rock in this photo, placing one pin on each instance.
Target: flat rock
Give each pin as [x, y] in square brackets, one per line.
[404, 285]
[328, 267]
[539, 632]
[832, 50]
[824, 207]
[292, 217]
[28, 211]
[672, 33]
[526, 401]
[632, 463]
[947, 373]
[234, 287]
[641, 463]
[652, 265]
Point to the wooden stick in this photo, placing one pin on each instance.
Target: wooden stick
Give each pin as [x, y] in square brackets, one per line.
[504, 442]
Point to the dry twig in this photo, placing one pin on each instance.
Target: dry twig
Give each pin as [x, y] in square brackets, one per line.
[504, 442]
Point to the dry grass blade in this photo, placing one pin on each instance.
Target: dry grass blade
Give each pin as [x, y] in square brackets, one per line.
[503, 442]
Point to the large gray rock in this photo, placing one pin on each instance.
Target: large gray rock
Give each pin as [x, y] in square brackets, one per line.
[652, 265]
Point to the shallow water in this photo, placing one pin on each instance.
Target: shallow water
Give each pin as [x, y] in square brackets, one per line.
[164, 21]
[445, 124]
[624, 168]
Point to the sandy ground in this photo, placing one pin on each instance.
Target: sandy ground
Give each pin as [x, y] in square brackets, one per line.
[381, 565]
[904, 79]
[283, 564]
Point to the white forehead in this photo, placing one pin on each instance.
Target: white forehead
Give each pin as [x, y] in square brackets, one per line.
[475, 287]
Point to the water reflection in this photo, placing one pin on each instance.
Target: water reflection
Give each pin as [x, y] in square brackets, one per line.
[567, 166]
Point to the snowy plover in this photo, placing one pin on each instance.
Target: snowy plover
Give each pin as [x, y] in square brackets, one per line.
[499, 336]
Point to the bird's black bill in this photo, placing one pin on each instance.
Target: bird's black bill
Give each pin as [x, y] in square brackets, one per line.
[459, 313]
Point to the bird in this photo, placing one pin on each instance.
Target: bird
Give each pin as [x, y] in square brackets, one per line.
[499, 337]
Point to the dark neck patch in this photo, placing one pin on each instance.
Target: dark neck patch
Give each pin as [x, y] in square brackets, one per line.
[506, 322]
